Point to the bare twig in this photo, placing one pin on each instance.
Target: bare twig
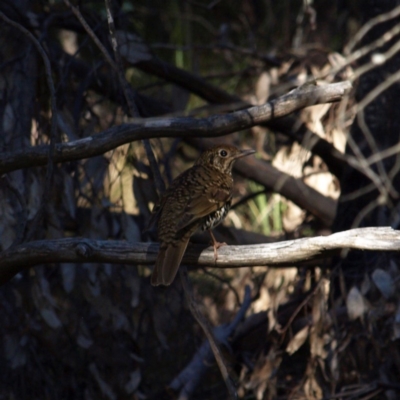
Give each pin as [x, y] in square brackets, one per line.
[373, 94]
[189, 378]
[194, 309]
[90, 32]
[382, 57]
[130, 99]
[283, 330]
[369, 25]
[353, 56]
[281, 254]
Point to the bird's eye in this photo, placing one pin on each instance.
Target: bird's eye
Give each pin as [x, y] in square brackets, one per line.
[223, 153]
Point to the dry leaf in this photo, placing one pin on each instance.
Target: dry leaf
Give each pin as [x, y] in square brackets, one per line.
[50, 316]
[298, 340]
[355, 303]
[133, 383]
[262, 88]
[383, 282]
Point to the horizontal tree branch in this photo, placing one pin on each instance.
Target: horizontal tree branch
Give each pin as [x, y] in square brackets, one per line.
[288, 125]
[216, 125]
[148, 107]
[286, 253]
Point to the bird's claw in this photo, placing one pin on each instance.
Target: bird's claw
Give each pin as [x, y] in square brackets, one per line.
[216, 246]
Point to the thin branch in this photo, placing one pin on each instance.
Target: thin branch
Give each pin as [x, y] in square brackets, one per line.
[90, 32]
[129, 96]
[130, 99]
[377, 90]
[369, 25]
[363, 51]
[103, 83]
[283, 330]
[212, 343]
[382, 58]
[50, 150]
[128, 92]
[281, 254]
[189, 378]
[216, 125]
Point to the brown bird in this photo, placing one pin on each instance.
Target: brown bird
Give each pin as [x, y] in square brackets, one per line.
[199, 198]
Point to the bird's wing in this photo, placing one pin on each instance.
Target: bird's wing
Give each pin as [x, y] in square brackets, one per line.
[201, 205]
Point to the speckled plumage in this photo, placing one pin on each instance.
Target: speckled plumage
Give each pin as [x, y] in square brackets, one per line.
[199, 198]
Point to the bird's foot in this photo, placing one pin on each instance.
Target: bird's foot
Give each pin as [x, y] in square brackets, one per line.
[216, 245]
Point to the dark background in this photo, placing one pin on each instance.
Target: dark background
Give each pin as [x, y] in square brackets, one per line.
[91, 331]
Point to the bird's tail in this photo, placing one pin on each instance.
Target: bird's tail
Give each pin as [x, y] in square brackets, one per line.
[167, 263]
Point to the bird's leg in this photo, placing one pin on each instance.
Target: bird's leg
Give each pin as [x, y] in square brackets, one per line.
[216, 244]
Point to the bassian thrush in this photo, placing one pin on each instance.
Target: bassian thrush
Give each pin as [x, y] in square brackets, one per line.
[199, 198]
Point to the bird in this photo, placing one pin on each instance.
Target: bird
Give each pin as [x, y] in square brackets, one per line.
[198, 199]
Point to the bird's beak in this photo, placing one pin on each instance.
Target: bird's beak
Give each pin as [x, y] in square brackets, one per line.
[244, 153]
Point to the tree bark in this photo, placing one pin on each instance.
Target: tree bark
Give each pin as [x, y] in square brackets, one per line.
[281, 254]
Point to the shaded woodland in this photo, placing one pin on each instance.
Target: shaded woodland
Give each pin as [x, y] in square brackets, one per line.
[103, 103]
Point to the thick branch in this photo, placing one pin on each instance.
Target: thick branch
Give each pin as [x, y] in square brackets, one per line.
[279, 254]
[216, 125]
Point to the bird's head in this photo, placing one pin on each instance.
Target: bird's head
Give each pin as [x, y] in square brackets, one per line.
[222, 157]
